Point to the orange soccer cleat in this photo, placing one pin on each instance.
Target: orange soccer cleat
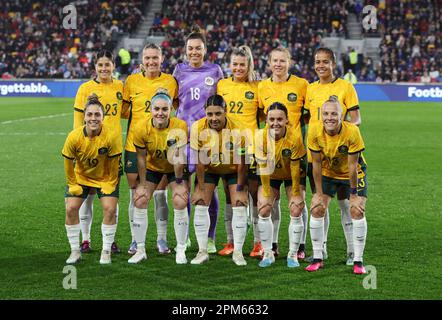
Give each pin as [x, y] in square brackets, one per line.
[227, 250]
[257, 250]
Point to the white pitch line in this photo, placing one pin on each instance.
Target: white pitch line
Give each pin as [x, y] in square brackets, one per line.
[37, 118]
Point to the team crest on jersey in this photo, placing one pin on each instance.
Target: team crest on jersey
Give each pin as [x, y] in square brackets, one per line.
[103, 150]
[292, 97]
[171, 142]
[343, 149]
[119, 95]
[250, 95]
[286, 153]
[209, 81]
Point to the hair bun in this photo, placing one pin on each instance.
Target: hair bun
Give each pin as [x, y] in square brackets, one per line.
[92, 99]
[195, 29]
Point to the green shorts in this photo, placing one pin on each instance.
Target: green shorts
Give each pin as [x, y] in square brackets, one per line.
[130, 162]
[276, 184]
[87, 189]
[155, 177]
[330, 186]
[213, 178]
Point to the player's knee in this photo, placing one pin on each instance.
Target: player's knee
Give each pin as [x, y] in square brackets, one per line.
[141, 203]
[179, 202]
[72, 209]
[264, 210]
[296, 209]
[356, 213]
[318, 211]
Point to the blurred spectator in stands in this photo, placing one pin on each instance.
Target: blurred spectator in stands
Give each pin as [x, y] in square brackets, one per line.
[350, 76]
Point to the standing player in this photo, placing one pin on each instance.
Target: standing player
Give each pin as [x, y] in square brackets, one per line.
[336, 147]
[110, 94]
[197, 81]
[317, 93]
[218, 144]
[159, 140]
[289, 90]
[139, 90]
[241, 95]
[96, 149]
[282, 147]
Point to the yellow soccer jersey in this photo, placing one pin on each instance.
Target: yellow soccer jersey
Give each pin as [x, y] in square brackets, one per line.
[139, 90]
[158, 142]
[242, 102]
[288, 148]
[335, 149]
[110, 96]
[291, 93]
[318, 93]
[222, 149]
[92, 155]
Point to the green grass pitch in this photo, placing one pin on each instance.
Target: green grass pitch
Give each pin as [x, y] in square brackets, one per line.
[403, 151]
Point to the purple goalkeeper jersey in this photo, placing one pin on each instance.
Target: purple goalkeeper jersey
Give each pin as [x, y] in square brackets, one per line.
[195, 86]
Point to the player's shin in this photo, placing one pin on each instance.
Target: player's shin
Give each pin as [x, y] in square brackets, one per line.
[86, 216]
[228, 214]
[265, 227]
[139, 226]
[131, 212]
[181, 222]
[239, 224]
[347, 224]
[296, 227]
[317, 236]
[73, 234]
[161, 213]
[359, 238]
[201, 224]
[108, 233]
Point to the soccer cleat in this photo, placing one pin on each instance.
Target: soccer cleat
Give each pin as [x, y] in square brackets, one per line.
[74, 257]
[349, 261]
[358, 268]
[105, 257]
[201, 257]
[139, 256]
[180, 257]
[132, 248]
[300, 255]
[188, 245]
[315, 266]
[292, 260]
[275, 249]
[257, 250]
[114, 248]
[238, 258]
[211, 248]
[267, 260]
[227, 250]
[85, 247]
[162, 247]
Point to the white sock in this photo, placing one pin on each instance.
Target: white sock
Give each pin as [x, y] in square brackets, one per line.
[108, 232]
[326, 226]
[181, 225]
[255, 219]
[265, 226]
[228, 213]
[161, 213]
[131, 212]
[347, 223]
[86, 215]
[201, 223]
[296, 228]
[305, 224]
[239, 224]
[359, 237]
[73, 233]
[140, 225]
[276, 220]
[317, 235]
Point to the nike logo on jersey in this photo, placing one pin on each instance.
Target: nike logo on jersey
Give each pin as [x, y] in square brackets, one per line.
[138, 93]
[267, 98]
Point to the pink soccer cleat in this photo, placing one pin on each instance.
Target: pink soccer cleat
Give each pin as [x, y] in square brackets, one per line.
[358, 268]
[315, 266]
[301, 254]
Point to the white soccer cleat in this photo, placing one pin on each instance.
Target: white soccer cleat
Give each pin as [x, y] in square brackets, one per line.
[201, 257]
[238, 258]
[105, 257]
[180, 257]
[139, 256]
[292, 259]
[74, 257]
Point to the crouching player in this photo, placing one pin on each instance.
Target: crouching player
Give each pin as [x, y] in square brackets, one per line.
[219, 148]
[336, 148]
[160, 142]
[96, 150]
[282, 147]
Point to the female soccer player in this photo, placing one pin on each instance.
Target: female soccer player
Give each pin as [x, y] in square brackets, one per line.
[96, 149]
[197, 81]
[160, 142]
[279, 157]
[240, 91]
[317, 93]
[336, 147]
[217, 142]
[110, 94]
[139, 90]
[289, 90]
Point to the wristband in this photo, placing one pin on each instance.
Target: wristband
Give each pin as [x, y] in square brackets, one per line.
[179, 180]
[353, 191]
[239, 187]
